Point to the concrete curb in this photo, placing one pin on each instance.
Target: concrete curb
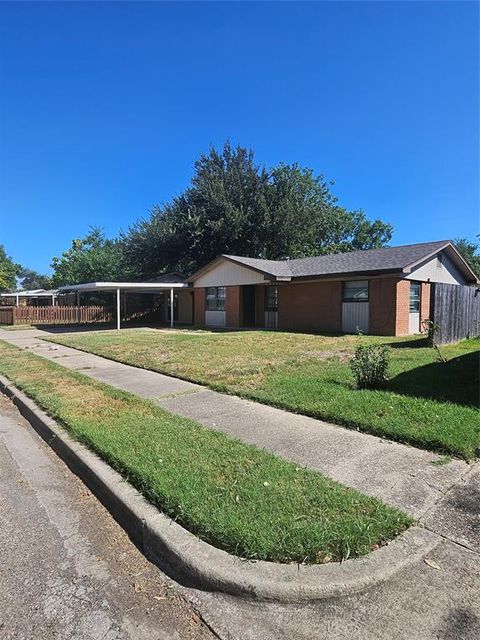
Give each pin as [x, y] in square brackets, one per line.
[198, 564]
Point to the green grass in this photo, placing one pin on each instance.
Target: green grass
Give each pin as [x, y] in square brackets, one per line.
[235, 496]
[425, 403]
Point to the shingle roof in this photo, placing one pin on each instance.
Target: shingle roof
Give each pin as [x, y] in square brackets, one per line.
[372, 260]
[385, 259]
[277, 268]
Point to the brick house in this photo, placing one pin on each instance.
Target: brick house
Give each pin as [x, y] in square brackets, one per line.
[381, 291]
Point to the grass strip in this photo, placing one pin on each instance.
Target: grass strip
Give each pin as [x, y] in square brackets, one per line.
[426, 403]
[237, 497]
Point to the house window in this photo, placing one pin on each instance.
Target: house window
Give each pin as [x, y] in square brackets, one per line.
[414, 297]
[271, 298]
[355, 291]
[215, 298]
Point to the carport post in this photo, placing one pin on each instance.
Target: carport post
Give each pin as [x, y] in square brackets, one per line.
[16, 300]
[171, 307]
[78, 307]
[118, 309]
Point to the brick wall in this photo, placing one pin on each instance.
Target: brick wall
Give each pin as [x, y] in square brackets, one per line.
[425, 302]
[403, 308]
[310, 306]
[382, 307]
[199, 307]
[233, 306]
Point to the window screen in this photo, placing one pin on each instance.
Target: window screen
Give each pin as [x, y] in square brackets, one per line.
[271, 298]
[355, 291]
[215, 298]
[414, 297]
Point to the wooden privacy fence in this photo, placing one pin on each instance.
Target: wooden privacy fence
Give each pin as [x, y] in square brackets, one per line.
[456, 311]
[55, 315]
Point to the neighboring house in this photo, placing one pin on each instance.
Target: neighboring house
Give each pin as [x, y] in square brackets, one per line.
[381, 291]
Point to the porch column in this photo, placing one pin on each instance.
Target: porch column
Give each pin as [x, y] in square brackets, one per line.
[171, 307]
[118, 309]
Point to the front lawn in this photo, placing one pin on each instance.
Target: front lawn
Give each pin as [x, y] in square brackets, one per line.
[235, 496]
[426, 403]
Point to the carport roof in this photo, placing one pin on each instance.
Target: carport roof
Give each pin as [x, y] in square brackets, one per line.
[146, 287]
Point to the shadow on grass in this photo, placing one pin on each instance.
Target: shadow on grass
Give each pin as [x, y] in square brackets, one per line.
[454, 381]
[414, 343]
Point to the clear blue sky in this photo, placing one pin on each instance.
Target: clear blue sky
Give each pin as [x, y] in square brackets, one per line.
[105, 107]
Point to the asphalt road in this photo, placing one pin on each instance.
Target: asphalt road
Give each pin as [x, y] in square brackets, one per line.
[68, 571]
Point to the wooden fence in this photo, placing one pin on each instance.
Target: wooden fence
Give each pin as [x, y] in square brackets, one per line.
[55, 315]
[456, 311]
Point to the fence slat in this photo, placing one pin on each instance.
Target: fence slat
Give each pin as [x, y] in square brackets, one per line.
[55, 315]
[456, 310]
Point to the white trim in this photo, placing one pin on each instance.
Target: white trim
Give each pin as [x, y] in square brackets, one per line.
[113, 286]
[118, 309]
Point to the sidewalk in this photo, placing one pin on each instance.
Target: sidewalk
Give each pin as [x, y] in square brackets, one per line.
[400, 475]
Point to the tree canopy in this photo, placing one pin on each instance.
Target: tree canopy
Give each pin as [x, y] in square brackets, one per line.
[30, 279]
[235, 206]
[9, 270]
[92, 258]
[471, 252]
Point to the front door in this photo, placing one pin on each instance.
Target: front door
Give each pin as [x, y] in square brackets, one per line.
[248, 305]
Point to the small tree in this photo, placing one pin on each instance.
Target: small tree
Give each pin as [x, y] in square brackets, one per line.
[370, 366]
[431, 328]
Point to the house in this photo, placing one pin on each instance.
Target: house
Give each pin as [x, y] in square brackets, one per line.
[380, 291]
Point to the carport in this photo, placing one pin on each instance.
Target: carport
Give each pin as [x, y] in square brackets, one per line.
[123, 287]
[33, 294]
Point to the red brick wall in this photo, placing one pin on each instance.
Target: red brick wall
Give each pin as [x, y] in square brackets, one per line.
[233, 306]
[425, 302]
[403, 307]
[199, 307]
[382, 307]
[310, 306]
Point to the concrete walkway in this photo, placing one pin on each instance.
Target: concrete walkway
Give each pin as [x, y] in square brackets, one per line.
[399, 475]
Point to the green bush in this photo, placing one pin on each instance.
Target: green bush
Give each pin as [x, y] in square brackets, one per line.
[370, 366]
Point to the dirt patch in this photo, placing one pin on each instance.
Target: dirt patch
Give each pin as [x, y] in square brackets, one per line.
[337, 356]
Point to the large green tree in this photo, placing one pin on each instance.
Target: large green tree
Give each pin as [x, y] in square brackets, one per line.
[30, 279]
[9, 270]
[235, 206]
[471, 252]
[89, 259]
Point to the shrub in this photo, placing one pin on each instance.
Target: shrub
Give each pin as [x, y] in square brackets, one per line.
[370, 366]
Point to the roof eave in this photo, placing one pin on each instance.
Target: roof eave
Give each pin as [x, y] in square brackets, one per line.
[347, 274]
